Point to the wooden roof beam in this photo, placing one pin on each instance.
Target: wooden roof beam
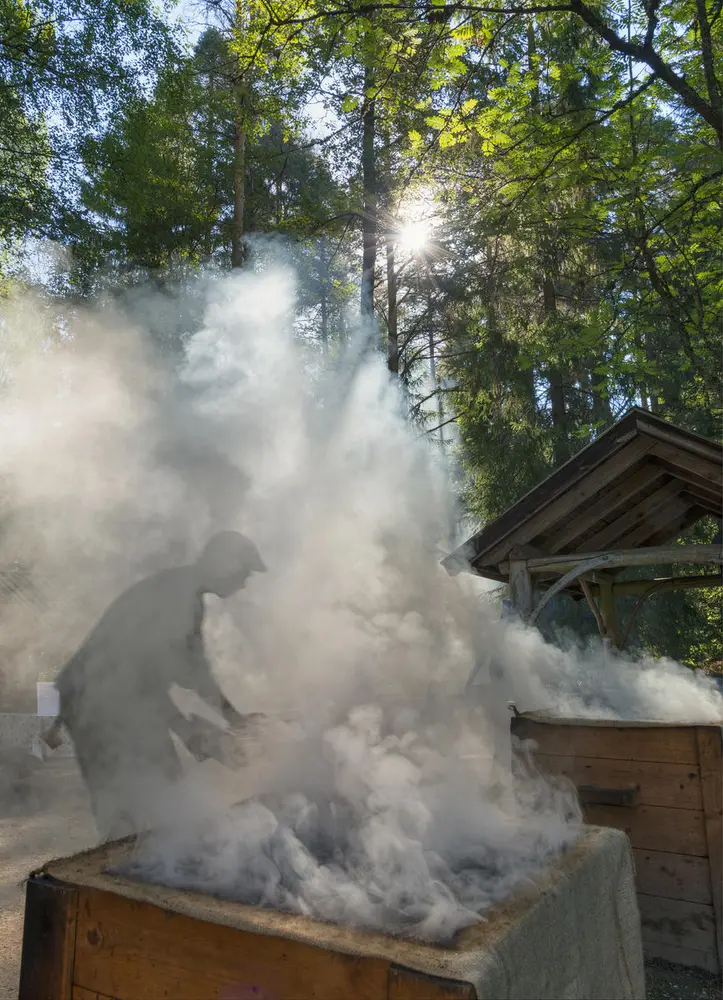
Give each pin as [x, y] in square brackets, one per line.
[663, 520]
[677, 528]
[659, 555]
[705, 503]
[587, 489]
[708, 473]
[709, 451]
[571, 529]
[633, 518]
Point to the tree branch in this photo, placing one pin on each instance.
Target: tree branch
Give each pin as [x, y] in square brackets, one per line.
[645, 53]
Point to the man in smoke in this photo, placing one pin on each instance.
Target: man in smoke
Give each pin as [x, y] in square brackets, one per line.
[115, 691]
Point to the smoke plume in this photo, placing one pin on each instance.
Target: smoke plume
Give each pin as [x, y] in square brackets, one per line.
[381, 793]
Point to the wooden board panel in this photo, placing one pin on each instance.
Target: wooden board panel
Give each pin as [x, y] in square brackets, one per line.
[711, 770]
[80, 994]
[700, 469]
[633, 517]
[545, 515]
[606, 506]
[403, 984]
[675, 876]
[46, 970]
[676, 744]
[655, 828]
[680, 956]
[133, 951]
[659, 783]
[678, 922]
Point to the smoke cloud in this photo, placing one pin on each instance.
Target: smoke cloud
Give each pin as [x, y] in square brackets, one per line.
[381, 792]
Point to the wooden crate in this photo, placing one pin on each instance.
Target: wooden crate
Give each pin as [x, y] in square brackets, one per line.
[91, 934]
[80, 943]
[662, 785]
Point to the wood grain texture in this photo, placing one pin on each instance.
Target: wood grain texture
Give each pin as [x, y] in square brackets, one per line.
[680, 956]
[674, 744]
[675, 876]
[678, 922]
[659, 783]
[134, 951]
[710, 754]
[46, 969]
[404, 984]
[655, 828]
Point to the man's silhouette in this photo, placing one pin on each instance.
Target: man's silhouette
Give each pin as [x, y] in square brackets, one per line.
[115, 691]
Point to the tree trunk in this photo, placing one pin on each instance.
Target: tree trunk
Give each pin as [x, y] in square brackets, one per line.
[238, 247]
[560, 443]
[369, 217]
[324, 266]
[393, 340]
[708, 54]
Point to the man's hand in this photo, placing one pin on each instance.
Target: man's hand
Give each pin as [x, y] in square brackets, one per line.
[238, 721]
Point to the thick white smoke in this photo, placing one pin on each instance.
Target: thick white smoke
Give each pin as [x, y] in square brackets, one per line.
[382, 795]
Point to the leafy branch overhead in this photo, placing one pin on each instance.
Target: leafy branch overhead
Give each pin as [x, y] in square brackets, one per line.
[521, 200]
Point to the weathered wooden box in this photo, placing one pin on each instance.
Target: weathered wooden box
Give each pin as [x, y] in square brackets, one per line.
[91, 935]
[662, 785]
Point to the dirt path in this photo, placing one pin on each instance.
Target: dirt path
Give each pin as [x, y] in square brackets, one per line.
[44, 815]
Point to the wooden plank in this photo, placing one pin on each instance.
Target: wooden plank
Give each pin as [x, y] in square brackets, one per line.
[677, 922]
[80, 994]
[675, 876]
[475, 548]
[704, 493]
[698, 497]
[676, 744]
[690, 478]
[680, 956]
[656, 523]
[705, 470]
[620, 494]
[711, 772]
[659, 783]
[134, 951]
[681, 440]
[677, 528]
[632, 518]
[586, 490]
[46, 969]
[655, 828]
[617, 559]
[404, 984]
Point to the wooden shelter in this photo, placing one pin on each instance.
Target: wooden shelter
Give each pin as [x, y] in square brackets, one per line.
[622, 501]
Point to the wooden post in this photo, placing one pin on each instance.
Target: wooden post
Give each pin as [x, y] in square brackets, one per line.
[608, 613]
[710, 758]
[521, 588]
[46, 970]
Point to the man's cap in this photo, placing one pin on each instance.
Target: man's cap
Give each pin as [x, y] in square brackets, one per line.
[228, 552]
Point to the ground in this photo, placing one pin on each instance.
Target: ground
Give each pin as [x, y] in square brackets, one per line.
[44, 813]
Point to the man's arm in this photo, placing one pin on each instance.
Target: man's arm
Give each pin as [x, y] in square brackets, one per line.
[201, 677]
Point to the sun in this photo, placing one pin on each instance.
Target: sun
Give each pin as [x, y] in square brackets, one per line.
[414, 235]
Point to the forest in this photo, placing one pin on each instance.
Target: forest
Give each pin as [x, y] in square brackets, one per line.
[521, 200]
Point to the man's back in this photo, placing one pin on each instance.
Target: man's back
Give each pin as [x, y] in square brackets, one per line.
[139, 647]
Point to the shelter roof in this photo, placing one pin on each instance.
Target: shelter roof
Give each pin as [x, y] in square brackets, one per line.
[642, 483]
